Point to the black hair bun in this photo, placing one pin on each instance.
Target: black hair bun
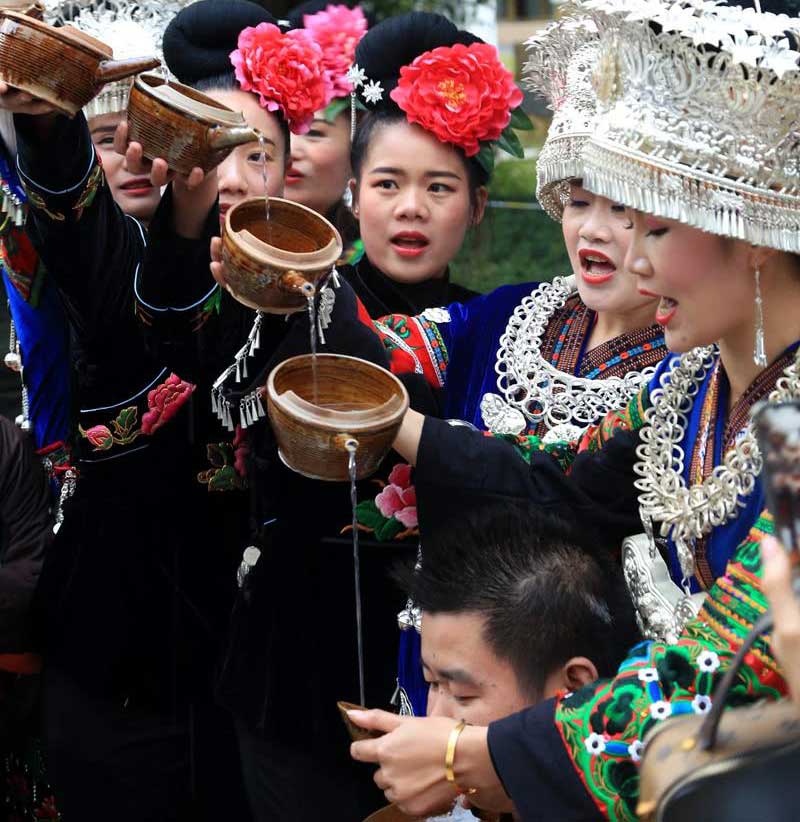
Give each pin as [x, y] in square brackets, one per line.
[398, 41]
[200, 38]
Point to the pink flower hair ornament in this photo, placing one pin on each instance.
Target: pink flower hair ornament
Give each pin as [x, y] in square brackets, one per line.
[337, 30]
[285, 70]
[463, 95]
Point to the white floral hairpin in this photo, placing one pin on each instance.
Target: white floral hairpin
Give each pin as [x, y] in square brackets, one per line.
[371, 90]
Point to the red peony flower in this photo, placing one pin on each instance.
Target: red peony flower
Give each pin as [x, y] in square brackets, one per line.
[337, 30]
[164, 402]
[286, 72]
[461, 94]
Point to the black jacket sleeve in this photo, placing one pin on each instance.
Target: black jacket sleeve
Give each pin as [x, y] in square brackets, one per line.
[85, 241]
[25, 533]
[457, 467]
[532, 763]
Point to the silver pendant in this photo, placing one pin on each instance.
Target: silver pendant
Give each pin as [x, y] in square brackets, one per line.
[499, 417]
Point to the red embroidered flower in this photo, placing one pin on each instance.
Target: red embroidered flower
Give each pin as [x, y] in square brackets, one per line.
[164, 402]
[337, 30]
[399, 498]
[241, 450]
[286, 72]
[100, 437]
[462, 94]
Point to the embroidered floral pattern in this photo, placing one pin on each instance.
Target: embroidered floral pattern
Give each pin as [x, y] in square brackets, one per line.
[392, 515]
[603, 725]
[526, 445]
[163, 403]
[94, 181]
[22, 263]
[229, 464]
[414, 341]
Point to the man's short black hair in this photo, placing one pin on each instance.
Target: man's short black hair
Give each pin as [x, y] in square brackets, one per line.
[545, 596]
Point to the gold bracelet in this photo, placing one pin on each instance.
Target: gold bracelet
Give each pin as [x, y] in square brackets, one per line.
[450, 756]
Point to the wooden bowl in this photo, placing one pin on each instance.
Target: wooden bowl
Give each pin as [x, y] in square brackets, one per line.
[62, 66]
[357, 733]
[355, 400]
[276, 266]
[32, 8]
[183, 126]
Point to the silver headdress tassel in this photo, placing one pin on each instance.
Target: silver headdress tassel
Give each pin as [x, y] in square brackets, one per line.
[130, 27]
[699, 113]
[561, 61]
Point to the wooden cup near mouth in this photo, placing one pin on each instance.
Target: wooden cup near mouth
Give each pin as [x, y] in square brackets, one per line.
[259, 257]
[186, 128]
[355, 400]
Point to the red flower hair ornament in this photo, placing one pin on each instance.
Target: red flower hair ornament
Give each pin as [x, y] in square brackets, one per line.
[465, 96]
[285, 70]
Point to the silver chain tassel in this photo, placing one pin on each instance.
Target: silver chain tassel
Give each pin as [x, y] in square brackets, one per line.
[760, 348]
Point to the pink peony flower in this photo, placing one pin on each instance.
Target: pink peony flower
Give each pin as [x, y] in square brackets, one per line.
[400, 503]
[462, 94]
[408, 517]
[164, 402]
[401, 475]
[100, 437]
[337, 30]
[286, 72]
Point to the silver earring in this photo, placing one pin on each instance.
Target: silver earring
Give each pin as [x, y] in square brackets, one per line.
[759, 350]
[347, 198]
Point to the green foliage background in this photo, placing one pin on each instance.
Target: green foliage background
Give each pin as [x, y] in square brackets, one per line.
[512, 245]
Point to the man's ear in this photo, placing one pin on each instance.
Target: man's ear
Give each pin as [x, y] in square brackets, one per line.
[579, 671]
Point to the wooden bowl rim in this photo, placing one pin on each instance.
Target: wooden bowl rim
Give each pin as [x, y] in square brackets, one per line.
[322, 425]
[266, 254]
[142, 85]
[67, 35]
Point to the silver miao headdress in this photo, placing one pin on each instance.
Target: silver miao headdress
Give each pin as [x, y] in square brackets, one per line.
[131, 28]
[561, 61]
[699, 120]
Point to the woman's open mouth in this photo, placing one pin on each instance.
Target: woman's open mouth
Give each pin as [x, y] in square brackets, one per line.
[409, 243]
[596, 267]
[666, 311]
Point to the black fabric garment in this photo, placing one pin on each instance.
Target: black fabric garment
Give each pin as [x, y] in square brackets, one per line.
[134, 597]
[9, 380]
[529, 756]
[292, 642]
[25, 534]
[458, 468]
[382, 295]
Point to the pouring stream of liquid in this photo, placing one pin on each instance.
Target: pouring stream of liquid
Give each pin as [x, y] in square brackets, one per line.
[352, 446]
[312, 339]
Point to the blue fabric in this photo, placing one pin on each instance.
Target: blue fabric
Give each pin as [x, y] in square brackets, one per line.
[409, 671]
[723, 541]
[44, 339]
[472, 338]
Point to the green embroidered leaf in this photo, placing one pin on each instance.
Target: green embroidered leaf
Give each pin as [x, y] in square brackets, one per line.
[225, 479]
[367, 514]
[520, 120]
[219, 454]
[509, 142]
[126, 420]
[213, 302]
[389, 530]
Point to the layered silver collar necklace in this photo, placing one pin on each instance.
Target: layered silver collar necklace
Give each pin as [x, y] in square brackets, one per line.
[533, 391]
[687, 514]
